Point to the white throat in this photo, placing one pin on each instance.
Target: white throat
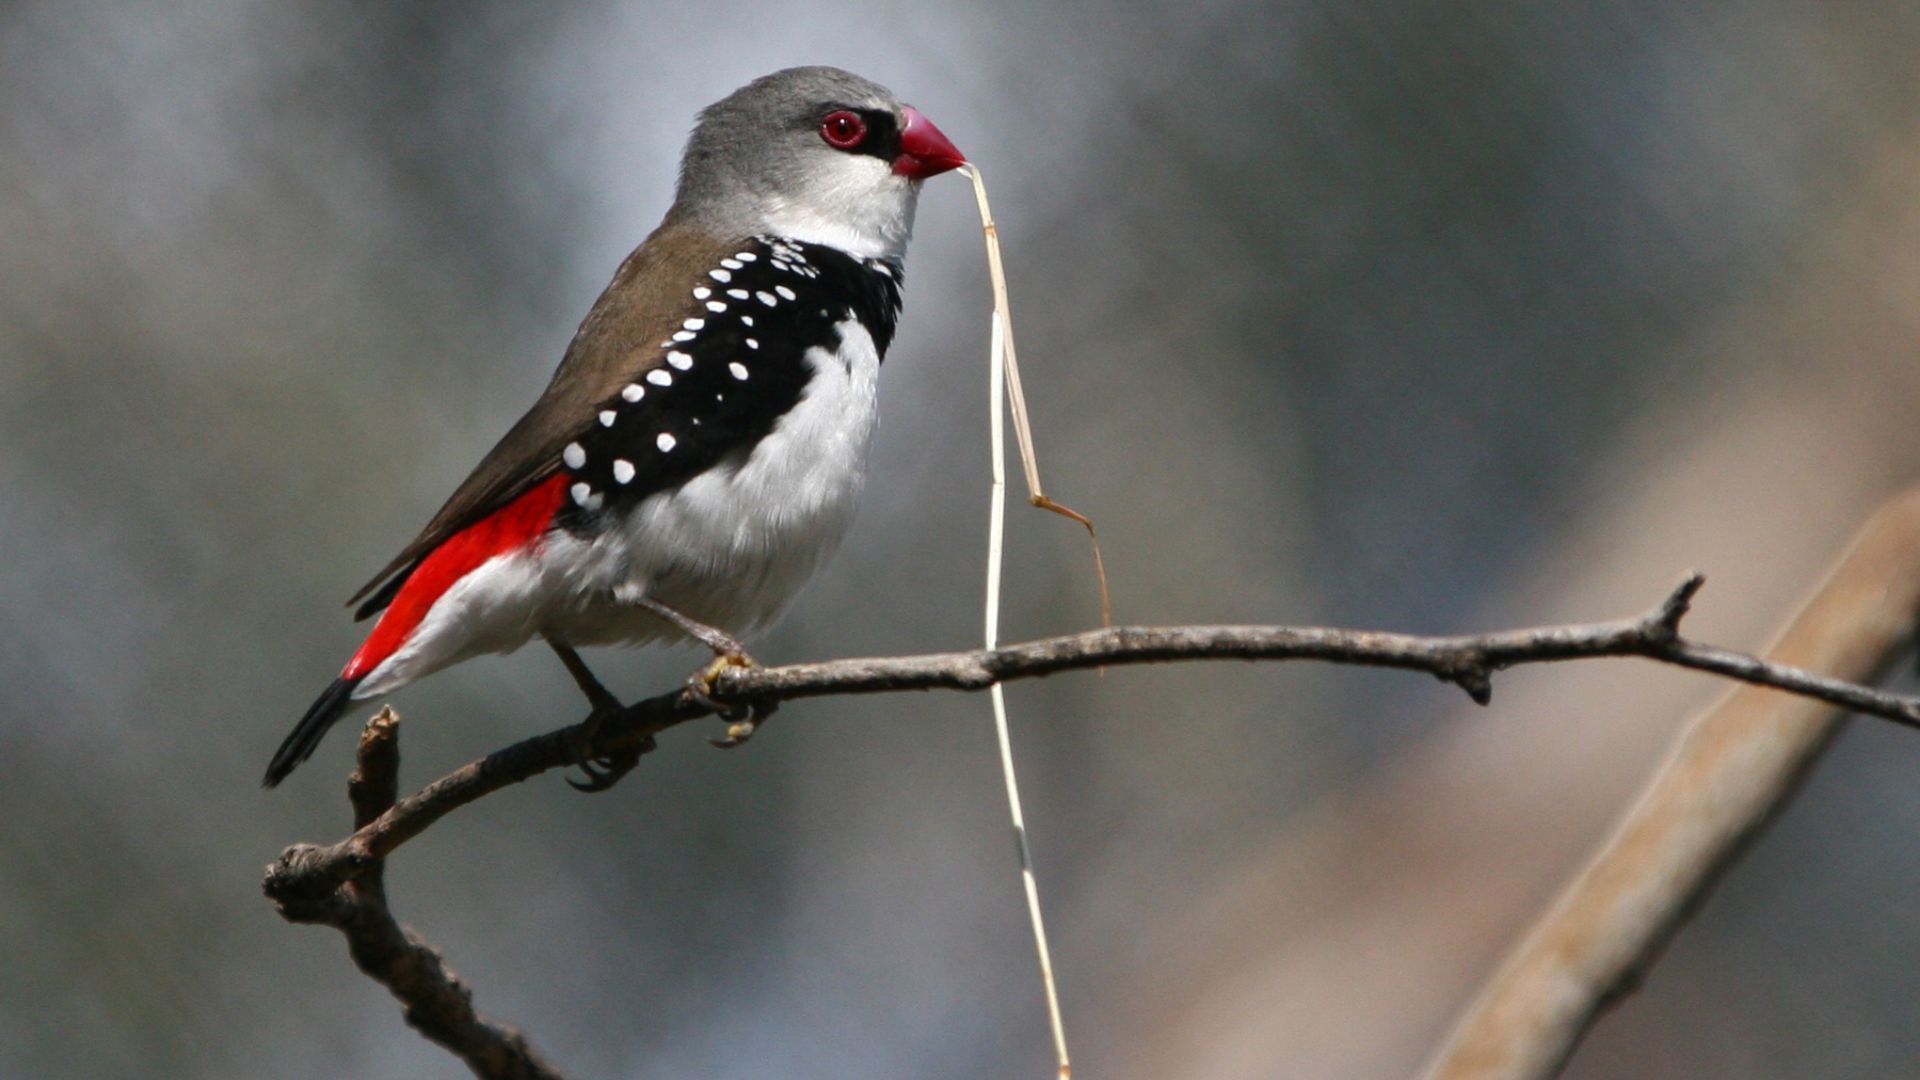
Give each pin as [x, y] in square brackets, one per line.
[865, 225]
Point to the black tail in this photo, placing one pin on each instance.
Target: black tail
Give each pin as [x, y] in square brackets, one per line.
[312, 727]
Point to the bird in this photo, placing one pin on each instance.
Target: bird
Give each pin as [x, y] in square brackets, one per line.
[700, 449]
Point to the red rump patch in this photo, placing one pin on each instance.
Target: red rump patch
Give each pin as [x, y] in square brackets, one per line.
[509, 528]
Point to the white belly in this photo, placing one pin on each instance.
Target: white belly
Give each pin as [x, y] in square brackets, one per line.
[729, 548]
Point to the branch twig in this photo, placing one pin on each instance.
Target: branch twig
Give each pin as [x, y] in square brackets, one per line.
[1730, 772]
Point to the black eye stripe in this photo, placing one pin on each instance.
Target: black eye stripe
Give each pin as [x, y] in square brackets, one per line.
[883, 130]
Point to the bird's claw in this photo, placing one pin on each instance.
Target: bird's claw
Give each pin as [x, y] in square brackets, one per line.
[699, 685]
[738, 732]
[740, 727]
[607, 770]
[742, 719]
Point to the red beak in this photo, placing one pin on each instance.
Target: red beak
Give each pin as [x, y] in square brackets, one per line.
[924, 151]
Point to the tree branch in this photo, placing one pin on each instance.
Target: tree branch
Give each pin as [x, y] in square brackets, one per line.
[1730, 772]
[1468, 661]
[339, 884]
[435, 1002]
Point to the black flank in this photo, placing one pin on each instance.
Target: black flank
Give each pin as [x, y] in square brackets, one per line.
[712, 416]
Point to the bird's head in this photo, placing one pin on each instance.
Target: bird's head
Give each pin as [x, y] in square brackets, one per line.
[813, 153]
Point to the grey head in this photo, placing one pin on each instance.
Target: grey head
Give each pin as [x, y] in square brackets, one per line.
[815, 154]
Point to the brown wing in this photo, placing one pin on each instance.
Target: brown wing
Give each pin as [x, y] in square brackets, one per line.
[619, 339]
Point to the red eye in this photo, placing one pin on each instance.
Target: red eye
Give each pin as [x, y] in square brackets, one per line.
[843, 129]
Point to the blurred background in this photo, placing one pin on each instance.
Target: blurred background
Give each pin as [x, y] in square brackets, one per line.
[1391, 313]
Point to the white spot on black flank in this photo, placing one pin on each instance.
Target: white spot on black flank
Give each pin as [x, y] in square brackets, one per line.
[720, 276]
[746, 320]
[734, 263]
[574, 455]
[738, 294]
[679, 360]
[665, 442]
[581, 492]
[785, 293]
[766, 298]
[607, 417]
[716, 306]
[622, 470]
[694, 324]
[702, 293]
[660, 377]
[739, 370]
[681, 335]
[743, 256]
[753, 343]
[633, 391]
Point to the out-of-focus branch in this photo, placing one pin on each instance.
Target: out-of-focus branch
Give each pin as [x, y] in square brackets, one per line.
[436, 1003]
[1732, 769]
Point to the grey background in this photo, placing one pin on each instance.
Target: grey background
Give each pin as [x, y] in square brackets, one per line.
[1425, 316]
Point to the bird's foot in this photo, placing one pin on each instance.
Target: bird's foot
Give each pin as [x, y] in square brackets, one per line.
[742, 719]
[604, 770]
[727, 653]
[699, 685]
